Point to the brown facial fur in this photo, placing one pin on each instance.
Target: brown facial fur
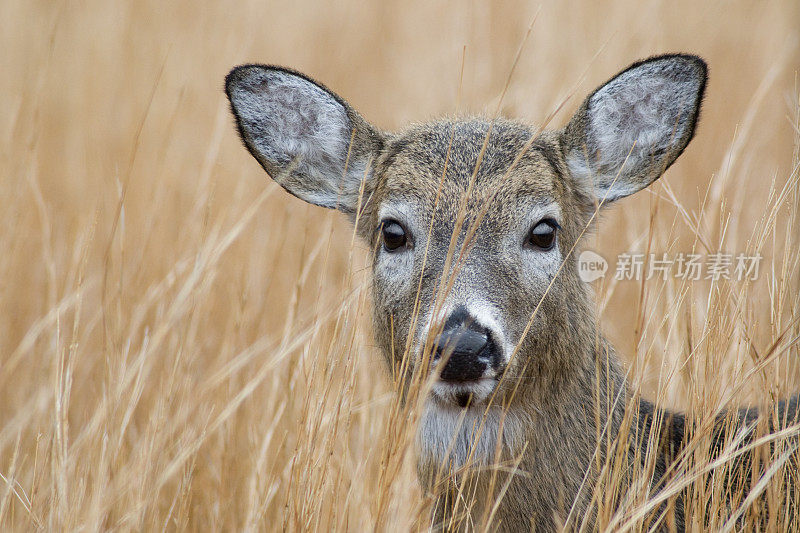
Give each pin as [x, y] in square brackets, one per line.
[412, 172]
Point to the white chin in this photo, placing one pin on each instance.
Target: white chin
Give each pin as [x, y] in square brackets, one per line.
[461, 394]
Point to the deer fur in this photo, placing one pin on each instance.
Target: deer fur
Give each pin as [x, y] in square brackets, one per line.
[561, 384]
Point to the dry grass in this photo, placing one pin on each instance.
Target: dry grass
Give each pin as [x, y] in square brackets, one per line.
[184, 346]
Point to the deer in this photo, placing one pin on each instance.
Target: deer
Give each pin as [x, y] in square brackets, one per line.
[475, 225]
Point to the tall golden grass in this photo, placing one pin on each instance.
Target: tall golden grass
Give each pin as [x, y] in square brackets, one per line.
[185, 346]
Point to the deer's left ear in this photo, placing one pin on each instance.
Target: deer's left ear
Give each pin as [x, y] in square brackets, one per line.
[629, 130]
[307, 138]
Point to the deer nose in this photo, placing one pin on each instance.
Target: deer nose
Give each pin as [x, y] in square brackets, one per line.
[466, 348]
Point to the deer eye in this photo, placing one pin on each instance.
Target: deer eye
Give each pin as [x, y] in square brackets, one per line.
[394, 235]
[543, 235]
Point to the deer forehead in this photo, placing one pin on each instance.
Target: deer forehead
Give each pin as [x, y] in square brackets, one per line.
[438, 166]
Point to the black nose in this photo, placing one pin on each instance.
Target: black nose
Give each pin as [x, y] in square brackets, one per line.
[466, 347]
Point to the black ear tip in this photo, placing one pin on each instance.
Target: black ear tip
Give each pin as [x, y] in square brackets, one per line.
[253, 77]
[230, 80]
[701, 63]
[239, 74]
[702, 67]
[693, 65]
[233, 78]
[698, 64]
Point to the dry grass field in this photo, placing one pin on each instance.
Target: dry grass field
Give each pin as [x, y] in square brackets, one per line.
[183, 346]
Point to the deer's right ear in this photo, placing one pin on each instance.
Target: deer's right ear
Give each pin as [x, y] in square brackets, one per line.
[306, 137]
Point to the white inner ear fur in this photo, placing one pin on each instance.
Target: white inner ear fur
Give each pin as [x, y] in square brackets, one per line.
[291, 121]
[644, 112]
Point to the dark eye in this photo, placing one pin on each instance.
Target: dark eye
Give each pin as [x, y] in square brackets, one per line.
[543, 235]
[394, 236]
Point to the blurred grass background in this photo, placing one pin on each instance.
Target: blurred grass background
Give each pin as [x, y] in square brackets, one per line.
[182, 345]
